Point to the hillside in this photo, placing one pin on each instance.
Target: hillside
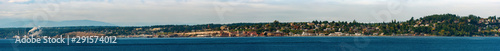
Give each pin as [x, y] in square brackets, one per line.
[434, 25]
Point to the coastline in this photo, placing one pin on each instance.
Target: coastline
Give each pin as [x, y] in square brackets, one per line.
[299, 36]
[288, 36]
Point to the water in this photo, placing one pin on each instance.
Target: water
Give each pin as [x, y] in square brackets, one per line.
[274, 44]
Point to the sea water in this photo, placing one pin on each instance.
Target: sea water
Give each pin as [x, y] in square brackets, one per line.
[354, 43]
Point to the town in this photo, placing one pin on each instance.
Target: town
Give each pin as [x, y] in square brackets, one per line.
[432, 25]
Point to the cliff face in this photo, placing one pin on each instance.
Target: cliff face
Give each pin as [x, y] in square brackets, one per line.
[73, 34]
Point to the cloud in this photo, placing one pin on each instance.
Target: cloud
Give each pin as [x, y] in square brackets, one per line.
[158, 12]
[18, 1]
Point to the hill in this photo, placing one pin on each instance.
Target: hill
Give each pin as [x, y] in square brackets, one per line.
[432, 25]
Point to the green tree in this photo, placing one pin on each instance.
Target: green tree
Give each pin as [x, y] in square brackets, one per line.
[324, 22]
[315, 22]
[276, 22]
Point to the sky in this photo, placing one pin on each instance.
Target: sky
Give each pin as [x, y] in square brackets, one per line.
[161, 12]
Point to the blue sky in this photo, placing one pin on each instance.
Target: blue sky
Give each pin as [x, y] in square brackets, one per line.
[159, 12]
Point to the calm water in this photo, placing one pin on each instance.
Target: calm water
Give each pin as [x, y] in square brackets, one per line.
[274, 44]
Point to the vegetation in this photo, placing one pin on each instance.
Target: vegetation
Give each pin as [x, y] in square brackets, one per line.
[438, 24]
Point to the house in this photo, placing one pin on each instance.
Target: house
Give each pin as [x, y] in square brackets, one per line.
[375, 34]
[267, 33]
[253, 33]
[357, 34]
[338, 33]
[224, 35]
[202, 35]
[306, 34]
[310, 24]
[278, 34]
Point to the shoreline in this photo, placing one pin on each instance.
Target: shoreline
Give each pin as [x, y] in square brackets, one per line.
[289, 36]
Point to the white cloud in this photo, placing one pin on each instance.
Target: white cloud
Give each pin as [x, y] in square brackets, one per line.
[154, 12]
[18, 1]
